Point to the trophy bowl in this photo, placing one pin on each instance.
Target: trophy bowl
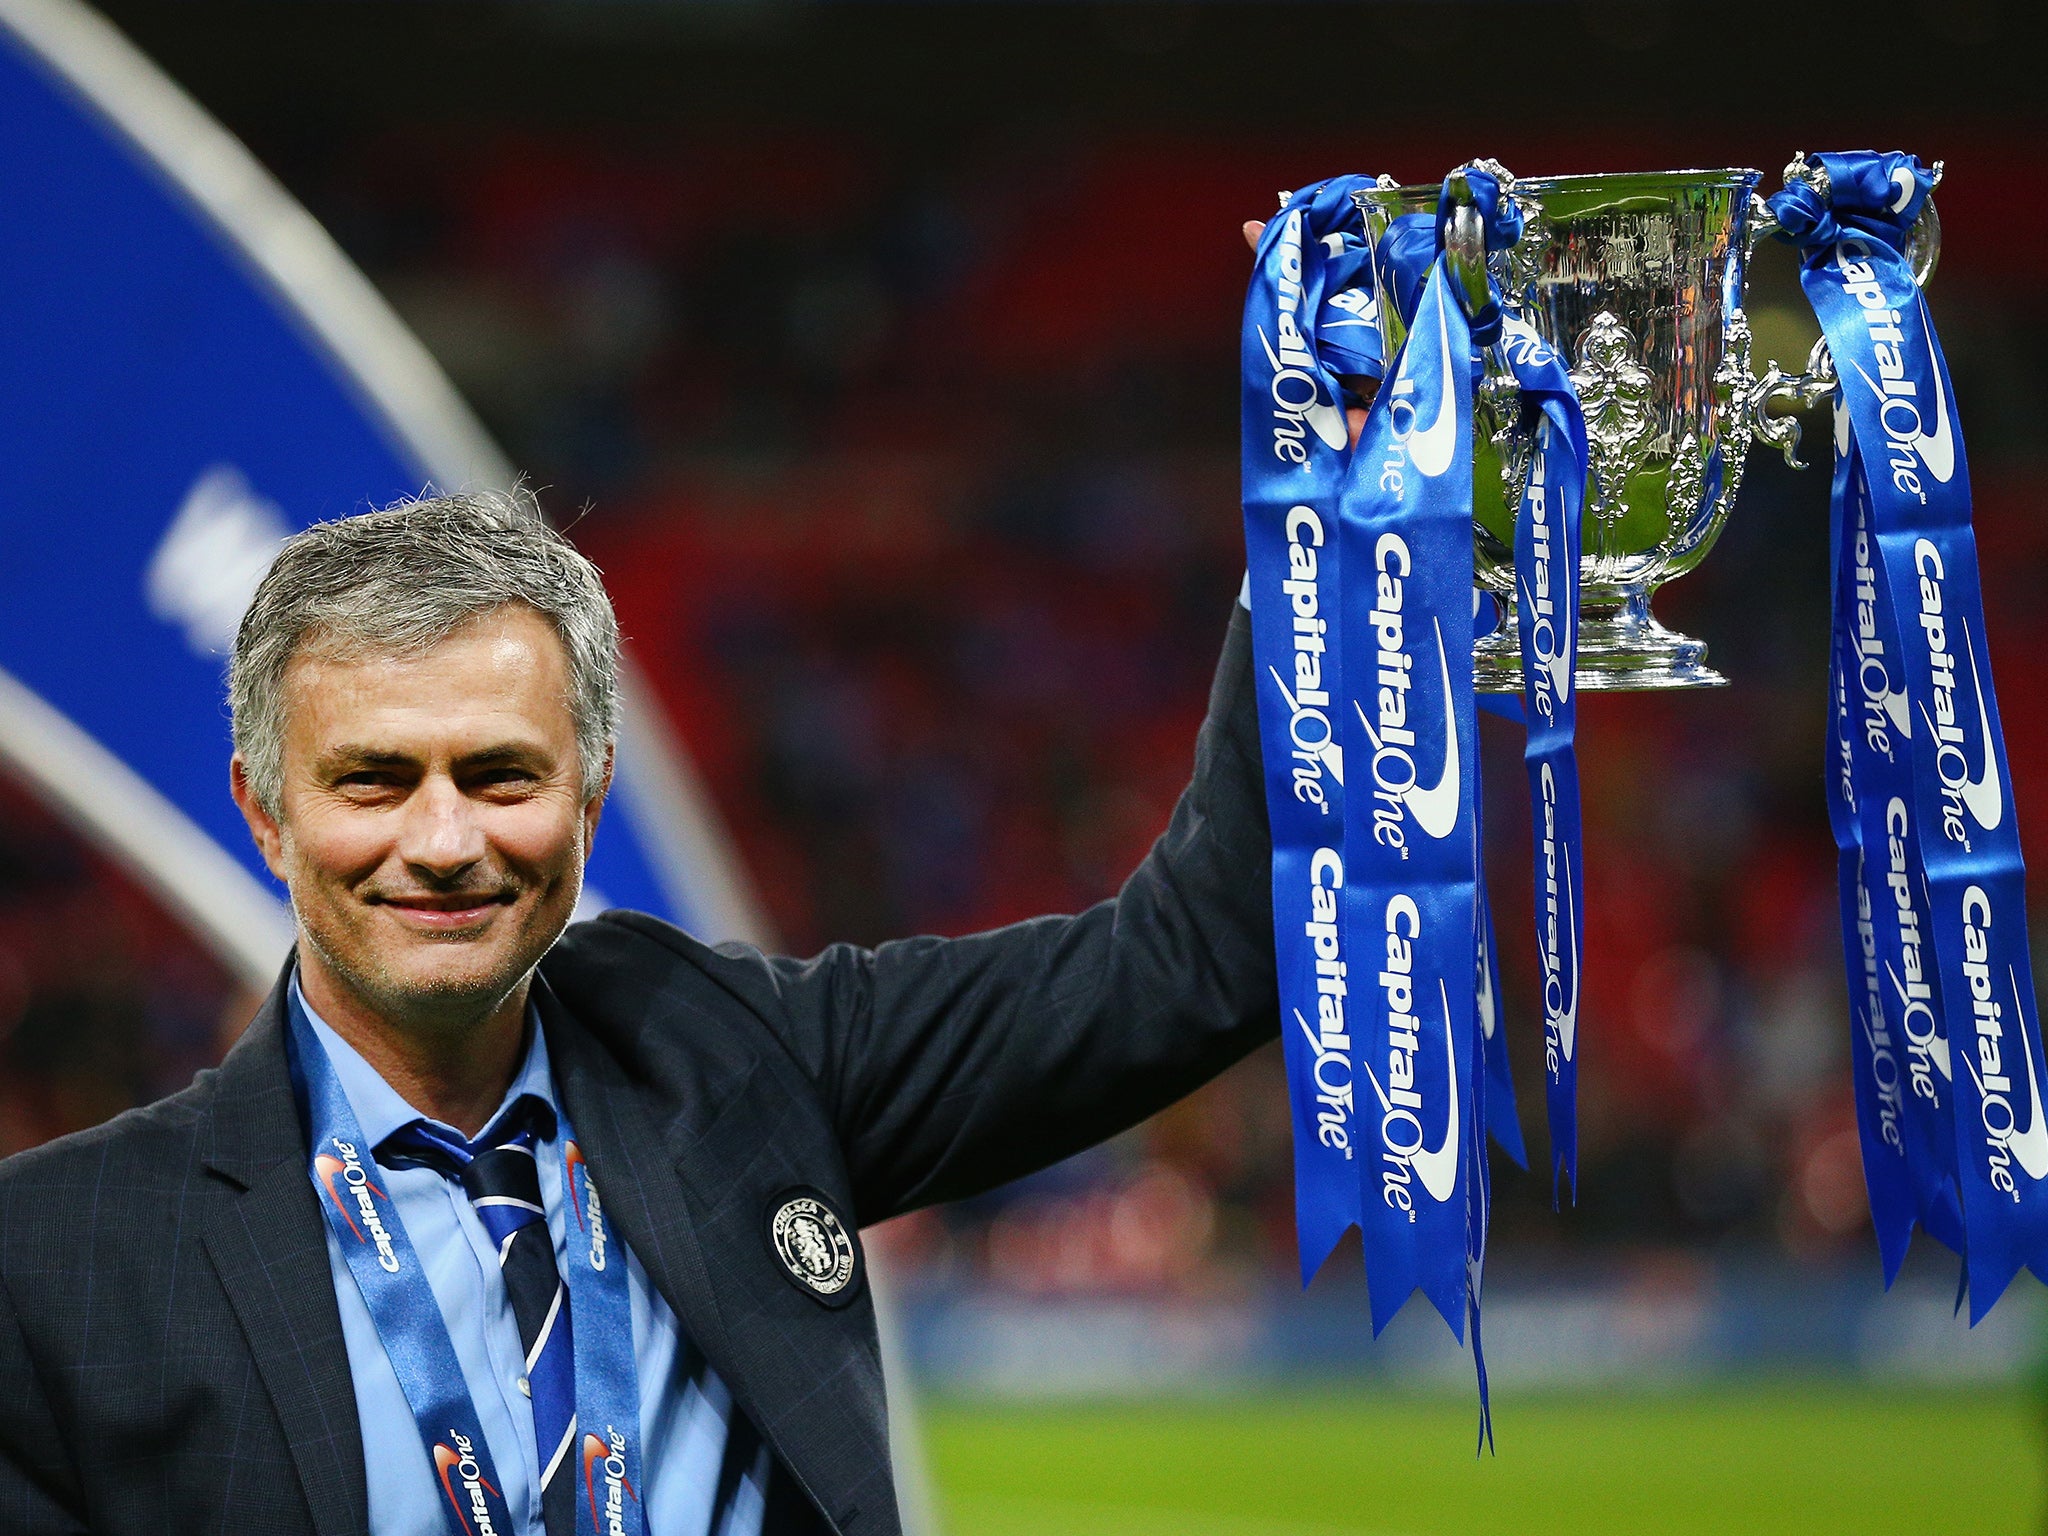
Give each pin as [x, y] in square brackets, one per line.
[1638, 280]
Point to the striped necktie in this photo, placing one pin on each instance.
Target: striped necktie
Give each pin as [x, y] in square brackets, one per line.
[499, 1173]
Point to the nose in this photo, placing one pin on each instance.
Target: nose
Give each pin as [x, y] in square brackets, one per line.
[440, 838]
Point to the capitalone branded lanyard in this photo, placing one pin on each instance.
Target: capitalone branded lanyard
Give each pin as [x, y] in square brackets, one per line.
[1361, 583]
[1411, 743]
[381, 1257]
[1297, 471]
[1941, 871]
[1901, 1066]
[1547, 614]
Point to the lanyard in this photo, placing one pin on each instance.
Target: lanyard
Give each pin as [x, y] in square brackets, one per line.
[1298, 469]
[1547, 612]
[1547, 542]
[1900, 1062]
[387, 1271]
[1384, 937]
[1410, 906]
[1950, 838]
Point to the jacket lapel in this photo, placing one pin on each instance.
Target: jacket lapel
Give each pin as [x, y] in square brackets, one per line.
[633, 1156]
[624, 1146]
[263, 1234]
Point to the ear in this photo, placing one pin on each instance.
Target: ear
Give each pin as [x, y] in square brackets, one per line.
[594, 808]
[263, 827]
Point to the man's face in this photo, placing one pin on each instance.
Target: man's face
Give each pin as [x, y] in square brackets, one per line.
[433, 826]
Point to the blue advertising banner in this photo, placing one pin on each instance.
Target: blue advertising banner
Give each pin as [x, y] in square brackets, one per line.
[189, 371]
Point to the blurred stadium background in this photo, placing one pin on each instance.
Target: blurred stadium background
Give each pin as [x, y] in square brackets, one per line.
[873, 349]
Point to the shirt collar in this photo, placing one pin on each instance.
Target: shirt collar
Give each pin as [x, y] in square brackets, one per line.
[381, 1110]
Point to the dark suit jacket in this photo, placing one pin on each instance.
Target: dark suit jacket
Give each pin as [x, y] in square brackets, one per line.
[171, 1356]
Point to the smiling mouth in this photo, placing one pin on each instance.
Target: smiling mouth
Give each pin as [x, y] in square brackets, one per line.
[444, 910]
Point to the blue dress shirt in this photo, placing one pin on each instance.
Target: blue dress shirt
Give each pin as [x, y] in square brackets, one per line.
[683, 1417]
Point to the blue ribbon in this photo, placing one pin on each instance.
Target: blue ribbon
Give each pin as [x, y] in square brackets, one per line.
[1900, 1060]
[1963, 850]
[1547, 542]
[1547, 533]
[1297, 473]
[1417, 899]
[608, 1462]
[1411, 825]
[381, 1257]
[1384, 934]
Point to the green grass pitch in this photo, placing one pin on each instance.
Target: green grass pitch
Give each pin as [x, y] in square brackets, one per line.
[1803, 1459]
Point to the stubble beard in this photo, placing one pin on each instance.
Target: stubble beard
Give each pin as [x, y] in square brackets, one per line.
[439, 1003]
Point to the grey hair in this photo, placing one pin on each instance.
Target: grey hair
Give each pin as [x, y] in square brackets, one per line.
[400, 580]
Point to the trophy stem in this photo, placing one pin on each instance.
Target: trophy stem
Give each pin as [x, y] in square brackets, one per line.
[1622, 648]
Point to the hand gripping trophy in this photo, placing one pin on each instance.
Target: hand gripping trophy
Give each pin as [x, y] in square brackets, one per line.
[1562, 398]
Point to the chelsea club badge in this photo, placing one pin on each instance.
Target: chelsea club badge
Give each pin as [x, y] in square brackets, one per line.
[815, 1247]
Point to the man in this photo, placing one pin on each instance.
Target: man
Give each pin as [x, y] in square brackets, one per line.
[488, 1226]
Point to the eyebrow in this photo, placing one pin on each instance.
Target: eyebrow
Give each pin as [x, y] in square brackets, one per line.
[351, 755]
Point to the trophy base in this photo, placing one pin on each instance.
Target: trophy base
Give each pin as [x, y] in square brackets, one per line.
[1622, 649]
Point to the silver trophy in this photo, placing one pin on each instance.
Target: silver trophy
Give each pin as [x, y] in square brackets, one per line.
[1638, 280]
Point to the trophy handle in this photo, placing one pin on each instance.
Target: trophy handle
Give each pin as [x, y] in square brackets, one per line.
[1803, 391]
[1465, 243]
